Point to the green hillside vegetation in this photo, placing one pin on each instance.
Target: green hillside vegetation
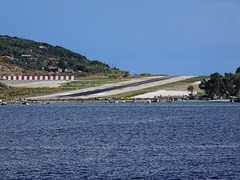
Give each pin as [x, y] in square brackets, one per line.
[219, 85]
[42, 56]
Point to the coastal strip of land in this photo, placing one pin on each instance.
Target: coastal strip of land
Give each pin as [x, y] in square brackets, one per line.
[114, 88]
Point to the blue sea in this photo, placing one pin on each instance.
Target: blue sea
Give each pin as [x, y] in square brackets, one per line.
[120, 141]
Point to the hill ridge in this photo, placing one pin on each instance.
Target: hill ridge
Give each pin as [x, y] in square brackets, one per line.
[29, 54]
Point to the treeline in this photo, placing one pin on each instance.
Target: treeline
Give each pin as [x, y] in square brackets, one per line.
[36, 55]
[219, 85]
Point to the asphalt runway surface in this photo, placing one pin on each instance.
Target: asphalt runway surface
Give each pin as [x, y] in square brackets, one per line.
[117, 87]
[107, 90]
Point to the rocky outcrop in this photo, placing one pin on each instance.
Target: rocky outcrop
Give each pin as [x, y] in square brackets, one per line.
[7, 69]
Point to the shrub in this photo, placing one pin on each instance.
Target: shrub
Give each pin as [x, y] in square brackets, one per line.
[3, 85]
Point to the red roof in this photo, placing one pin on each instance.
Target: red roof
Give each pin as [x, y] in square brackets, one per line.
[52, 67]
[54, 59]
[9, 57]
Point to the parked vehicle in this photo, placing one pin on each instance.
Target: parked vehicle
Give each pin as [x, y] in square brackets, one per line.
[3, 103]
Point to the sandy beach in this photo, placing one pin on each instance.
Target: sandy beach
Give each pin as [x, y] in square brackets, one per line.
[164, 93]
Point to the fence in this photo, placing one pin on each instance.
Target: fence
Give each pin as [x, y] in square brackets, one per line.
[38, 78]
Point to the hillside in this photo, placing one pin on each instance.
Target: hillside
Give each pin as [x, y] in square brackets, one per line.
[32, 55]
[8, 69]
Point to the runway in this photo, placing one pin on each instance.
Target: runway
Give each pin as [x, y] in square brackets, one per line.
[97, 91]
[115, 88]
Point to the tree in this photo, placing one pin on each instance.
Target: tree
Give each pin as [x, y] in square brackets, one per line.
[190, 88]
[126, 74]
[216, 84]
[237, 84]
[213, 85]
[3, 85]
[238, 70]
[81, 68]
[62, 64]
[228, 84]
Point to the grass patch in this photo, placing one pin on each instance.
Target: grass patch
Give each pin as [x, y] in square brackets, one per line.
[14, 92]
[86, 83]
[194, 79]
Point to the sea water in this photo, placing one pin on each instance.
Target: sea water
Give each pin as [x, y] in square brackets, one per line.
[120, 141]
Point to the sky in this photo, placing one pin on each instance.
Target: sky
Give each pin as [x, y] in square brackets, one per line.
[174, 37]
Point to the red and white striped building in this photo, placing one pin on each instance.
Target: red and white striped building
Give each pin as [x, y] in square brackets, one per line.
[38, 78]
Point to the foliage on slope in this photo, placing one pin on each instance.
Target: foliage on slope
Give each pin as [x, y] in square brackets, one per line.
[217, 84]
[37, 55]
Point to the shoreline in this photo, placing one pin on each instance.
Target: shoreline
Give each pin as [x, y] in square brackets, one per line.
[57, 101]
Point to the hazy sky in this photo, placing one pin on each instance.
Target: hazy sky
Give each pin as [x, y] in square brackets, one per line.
[174, 37]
